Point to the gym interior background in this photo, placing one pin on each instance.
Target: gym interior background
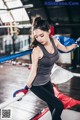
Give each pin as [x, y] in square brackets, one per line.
[15, 37]
[16, 18]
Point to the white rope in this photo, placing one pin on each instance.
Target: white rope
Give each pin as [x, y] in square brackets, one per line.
[76, 74]
[60, 75]
[10, 101]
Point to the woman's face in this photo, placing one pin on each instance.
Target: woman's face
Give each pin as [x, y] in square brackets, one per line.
[41, 36]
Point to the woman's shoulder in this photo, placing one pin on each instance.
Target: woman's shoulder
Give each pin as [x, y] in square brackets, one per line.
[36, 50]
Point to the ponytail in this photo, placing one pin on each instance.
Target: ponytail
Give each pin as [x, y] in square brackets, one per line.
[39, 23]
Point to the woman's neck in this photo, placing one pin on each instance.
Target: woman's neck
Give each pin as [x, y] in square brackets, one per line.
[48, 42]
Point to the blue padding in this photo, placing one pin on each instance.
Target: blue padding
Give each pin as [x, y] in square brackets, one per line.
[13, 56]
[66, 41]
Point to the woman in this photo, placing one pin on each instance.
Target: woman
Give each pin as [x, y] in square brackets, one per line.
[44, 55]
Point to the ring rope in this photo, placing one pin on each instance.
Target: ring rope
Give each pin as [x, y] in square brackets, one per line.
[13, 56]
[10, 101]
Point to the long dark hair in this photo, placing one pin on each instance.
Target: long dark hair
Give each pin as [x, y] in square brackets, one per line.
[39, 23]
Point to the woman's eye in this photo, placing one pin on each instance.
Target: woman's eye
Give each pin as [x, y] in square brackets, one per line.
[42, 35]
[38, 36]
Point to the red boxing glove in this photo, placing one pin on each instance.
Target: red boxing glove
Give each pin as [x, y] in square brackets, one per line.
[24, 90]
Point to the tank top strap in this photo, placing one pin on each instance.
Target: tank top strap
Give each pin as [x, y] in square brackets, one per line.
[42, 48]
[52, 40]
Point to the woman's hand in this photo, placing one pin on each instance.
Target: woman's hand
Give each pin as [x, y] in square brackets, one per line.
[74, 46]
[24, 90]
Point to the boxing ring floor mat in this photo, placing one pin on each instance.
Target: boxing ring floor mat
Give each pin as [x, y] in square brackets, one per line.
[26, 111]
[13, 78]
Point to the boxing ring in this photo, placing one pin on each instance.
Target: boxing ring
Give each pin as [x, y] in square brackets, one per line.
[56, 74]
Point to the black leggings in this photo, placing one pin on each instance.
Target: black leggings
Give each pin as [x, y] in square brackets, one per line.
[46, 93]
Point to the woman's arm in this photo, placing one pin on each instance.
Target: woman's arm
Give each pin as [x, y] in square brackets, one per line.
[64, 48]
[35, 58]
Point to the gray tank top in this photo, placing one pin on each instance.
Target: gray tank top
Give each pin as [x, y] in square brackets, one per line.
[45, 65]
